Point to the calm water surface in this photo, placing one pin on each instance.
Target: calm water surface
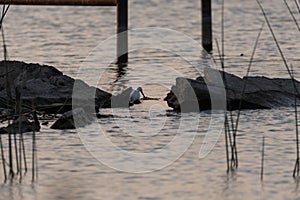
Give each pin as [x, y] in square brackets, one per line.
[64, 36]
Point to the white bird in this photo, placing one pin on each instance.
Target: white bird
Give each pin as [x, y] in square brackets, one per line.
[135, 95]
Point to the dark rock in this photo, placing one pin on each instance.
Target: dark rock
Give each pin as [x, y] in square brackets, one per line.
[45, 123]
[259, 93]
[66, 121]
[45, 87]
[103, 116]
[121, 100]
[5, 112]
[22, 125]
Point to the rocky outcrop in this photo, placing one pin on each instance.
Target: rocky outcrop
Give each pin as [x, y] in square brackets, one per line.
[66, 121]
[259, 93]
[44, 87]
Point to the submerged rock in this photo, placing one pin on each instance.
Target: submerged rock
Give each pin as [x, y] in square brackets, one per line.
[66, 121]
[45, 87]
[22, 125]
[259, 93]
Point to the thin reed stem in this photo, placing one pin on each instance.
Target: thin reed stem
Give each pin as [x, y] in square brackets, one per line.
[24, 154]
[3, 159]
[245, 79]
[297, 5]
[226, 145]
[292, 15]
[277, 44]
[262, 159]
[17, 113]
[20, 155]
[226, 126]
[296, 168]
[34, 149]
[10, 156]
[229, 140]
[16, 153]
[234, 158]
[4, 12]
[222, 32]
[6, 73]
[242, 96]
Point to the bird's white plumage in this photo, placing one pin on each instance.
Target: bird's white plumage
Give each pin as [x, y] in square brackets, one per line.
[135, 95]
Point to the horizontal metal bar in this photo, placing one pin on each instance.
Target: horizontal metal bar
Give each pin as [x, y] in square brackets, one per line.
[63, 2]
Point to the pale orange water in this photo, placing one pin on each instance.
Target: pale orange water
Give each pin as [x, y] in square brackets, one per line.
[63, 37]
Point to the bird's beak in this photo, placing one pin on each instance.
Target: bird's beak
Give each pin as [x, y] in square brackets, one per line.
[143, 94]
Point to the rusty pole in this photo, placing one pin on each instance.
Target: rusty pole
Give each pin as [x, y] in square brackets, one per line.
[122, 27]
[206, 25]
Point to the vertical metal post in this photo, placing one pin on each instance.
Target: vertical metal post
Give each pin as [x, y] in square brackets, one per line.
[206, 25]
[122, 38]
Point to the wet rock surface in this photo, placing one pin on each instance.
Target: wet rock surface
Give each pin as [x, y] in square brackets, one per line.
[66, 121]
[44, 87]
[259, 93]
